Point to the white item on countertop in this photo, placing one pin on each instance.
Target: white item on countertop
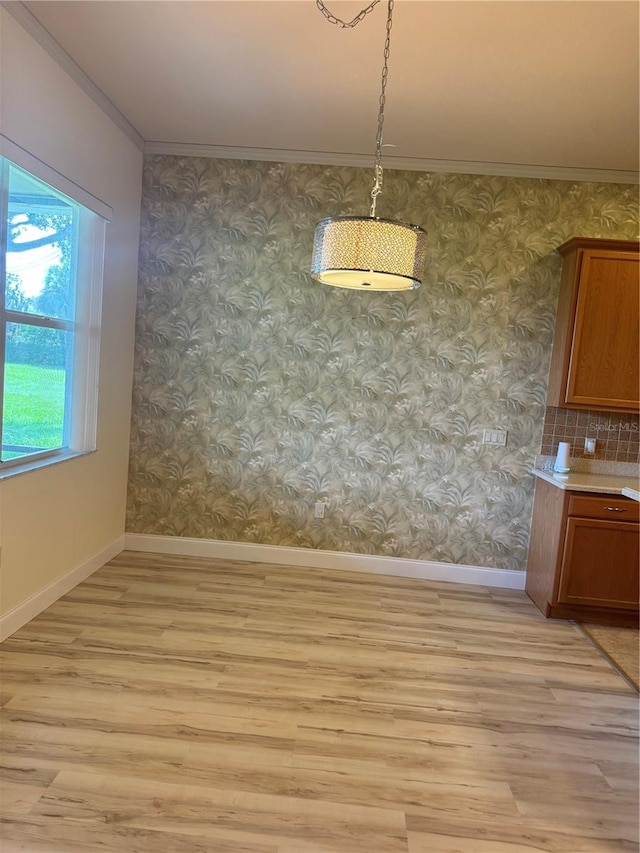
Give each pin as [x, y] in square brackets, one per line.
[562, 459]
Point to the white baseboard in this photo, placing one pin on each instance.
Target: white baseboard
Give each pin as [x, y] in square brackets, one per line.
[287, 556]
[45, 597]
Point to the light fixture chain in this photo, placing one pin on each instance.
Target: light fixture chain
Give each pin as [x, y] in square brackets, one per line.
[365, 252]
[377, 167]
[346, 24]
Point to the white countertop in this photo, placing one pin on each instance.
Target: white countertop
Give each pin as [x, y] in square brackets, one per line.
[607, 484]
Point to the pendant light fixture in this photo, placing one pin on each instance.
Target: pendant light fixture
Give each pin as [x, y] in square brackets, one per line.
[367, 252]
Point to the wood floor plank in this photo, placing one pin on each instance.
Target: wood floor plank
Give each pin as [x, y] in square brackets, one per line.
[552, 836]
[19, 799]
[423, 842]
[223, 814]
[187, 705]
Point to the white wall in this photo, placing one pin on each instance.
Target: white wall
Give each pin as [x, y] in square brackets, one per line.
[59, 518]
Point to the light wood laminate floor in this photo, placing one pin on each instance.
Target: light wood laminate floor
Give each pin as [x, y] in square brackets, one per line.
[173, 705]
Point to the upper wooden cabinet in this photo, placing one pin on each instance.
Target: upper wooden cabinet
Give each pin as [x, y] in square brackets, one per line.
[594, 362]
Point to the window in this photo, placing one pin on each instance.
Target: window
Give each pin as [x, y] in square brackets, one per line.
[51, 272]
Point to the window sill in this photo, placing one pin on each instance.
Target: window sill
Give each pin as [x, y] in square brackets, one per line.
[14, 470]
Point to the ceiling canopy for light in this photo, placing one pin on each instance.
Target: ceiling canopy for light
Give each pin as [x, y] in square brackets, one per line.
[367, 252]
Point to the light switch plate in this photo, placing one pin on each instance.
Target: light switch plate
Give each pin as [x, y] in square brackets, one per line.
[496, 437]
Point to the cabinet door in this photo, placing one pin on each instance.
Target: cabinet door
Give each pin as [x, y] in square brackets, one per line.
[600, 564]
[604, 363]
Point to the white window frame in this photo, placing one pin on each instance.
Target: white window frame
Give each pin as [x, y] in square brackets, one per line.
[82, 411]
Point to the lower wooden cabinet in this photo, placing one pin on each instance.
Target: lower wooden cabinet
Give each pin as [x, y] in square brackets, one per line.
[584, 556]
[600, 564]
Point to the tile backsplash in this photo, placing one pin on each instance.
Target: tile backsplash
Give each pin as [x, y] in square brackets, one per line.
[617, 434]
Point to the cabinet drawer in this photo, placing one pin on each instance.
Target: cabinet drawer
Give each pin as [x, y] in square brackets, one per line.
[610, 507]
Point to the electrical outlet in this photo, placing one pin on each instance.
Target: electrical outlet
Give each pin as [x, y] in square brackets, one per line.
[589, 446]
[318, 511]
[496, 437]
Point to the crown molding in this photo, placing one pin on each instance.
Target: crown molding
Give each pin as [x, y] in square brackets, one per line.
[416, 164]
[43, 37]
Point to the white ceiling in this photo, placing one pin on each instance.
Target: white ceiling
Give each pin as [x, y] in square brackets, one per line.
[506, 87]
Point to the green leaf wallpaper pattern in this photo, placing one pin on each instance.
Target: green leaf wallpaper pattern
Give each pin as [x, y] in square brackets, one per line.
[258, 392]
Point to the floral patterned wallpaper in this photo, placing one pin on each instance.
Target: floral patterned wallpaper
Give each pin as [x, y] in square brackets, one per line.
[259, 392]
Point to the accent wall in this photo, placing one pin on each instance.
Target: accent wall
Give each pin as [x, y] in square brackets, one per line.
[258, 392]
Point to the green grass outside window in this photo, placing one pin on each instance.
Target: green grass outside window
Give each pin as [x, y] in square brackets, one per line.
[33, 413]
